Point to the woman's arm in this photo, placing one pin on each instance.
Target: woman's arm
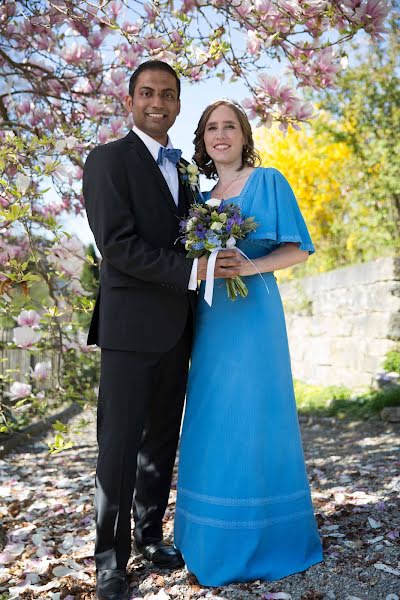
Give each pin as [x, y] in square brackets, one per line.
[285, 256]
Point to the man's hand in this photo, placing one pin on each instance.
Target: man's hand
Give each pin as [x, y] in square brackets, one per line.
[227, 265]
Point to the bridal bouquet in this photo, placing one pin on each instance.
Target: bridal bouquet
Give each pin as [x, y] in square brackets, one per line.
[213, 226]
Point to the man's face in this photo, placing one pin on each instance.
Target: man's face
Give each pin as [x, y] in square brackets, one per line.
[155, 104]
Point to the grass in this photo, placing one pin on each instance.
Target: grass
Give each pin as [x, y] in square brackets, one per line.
[342, 403]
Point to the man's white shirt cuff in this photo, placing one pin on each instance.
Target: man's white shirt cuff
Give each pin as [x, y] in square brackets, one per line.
[193, 275]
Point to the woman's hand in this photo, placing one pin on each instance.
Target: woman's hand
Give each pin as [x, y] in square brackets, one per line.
[227, 265]
[285, 256]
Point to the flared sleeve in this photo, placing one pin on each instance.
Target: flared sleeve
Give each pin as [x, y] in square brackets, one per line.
[271, 201]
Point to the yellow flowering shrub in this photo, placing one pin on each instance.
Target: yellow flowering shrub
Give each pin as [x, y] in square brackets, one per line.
[317, 169]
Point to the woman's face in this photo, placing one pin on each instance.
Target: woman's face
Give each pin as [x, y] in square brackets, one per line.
[223, 136]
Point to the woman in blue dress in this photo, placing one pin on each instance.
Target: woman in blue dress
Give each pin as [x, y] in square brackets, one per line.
[243, 508]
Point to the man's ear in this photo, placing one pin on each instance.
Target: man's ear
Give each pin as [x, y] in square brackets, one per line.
[128, 103]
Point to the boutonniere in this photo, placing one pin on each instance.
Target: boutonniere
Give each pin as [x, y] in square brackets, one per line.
[190, 176]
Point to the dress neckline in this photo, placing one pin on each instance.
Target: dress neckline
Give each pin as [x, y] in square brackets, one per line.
[244, 188]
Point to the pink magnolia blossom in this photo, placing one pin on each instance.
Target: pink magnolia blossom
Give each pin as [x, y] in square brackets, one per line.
[104, 134]
[253, 42]
[166, 56]
[128, 55]
[36, 117]
[80, 343]
[7, 10]
[116, 125]
[80, 27]
[244, 8]
[370, 14]
[75, 287]
[252, 106]
[96, 38]
[150, 11]
[94, 107]
[83, 86]
[29, 318]
[46, 41]
[25, 337]
[176, 37]
[118, 76]
[315, 69]
[67, 257]
[303, 10]
[373, 14]
[56, 87]
[42, 371]
[19, 390]
[76, 53]
[50, 209]
[54, 167]
[24, 107]
[188, 5]
[154, 43]
[115, 8]
[133, 28]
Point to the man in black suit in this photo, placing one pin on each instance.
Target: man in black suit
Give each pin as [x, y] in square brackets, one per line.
[142, 321]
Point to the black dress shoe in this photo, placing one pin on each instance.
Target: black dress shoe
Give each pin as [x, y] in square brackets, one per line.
[112, 584]
[161, 554]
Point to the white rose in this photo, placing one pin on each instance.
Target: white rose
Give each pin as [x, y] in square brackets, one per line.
[216, 226]
[192, 169]
[213, 202]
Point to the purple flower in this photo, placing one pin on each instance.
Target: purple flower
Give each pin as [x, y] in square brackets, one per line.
[237, 219]
[229, 224]
[200, 232]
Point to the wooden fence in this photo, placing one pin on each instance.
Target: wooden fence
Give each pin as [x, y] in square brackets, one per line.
[20, 363]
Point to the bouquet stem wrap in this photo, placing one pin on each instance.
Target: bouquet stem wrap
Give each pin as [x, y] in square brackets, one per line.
[235, 285]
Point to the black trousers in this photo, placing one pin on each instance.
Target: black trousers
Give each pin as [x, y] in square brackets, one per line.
[139, 415]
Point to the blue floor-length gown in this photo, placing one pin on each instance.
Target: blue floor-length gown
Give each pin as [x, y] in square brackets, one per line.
[244, 509]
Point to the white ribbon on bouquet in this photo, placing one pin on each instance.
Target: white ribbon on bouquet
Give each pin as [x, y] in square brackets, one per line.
[209, 289]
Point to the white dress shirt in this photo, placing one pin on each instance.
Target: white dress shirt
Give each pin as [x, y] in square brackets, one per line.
[170, 173]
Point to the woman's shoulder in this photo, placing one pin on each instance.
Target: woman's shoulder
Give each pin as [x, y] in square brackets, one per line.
[270, 173]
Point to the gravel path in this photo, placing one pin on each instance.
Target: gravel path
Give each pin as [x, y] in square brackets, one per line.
[46, 536]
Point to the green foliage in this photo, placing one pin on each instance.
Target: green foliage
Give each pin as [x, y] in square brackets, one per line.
[340, 402]
[90, 272]
[392, 361]
[80, 373]
[317, 399]
[59, 444]
[366, 111]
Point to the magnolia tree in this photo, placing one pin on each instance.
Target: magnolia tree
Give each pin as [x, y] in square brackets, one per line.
[64, 67]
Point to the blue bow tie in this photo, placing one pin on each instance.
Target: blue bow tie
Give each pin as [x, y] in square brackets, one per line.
[171, 154]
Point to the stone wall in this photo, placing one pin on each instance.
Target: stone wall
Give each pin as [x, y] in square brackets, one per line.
[341, 323]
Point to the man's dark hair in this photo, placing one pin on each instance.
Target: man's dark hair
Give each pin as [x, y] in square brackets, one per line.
[153, 65]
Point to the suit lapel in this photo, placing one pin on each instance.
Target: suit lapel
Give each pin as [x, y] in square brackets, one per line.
[150, 165]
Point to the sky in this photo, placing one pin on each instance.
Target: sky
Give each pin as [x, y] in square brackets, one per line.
[194, 99]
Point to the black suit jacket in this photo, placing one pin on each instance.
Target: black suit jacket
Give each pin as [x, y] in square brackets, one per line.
[143, 300]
